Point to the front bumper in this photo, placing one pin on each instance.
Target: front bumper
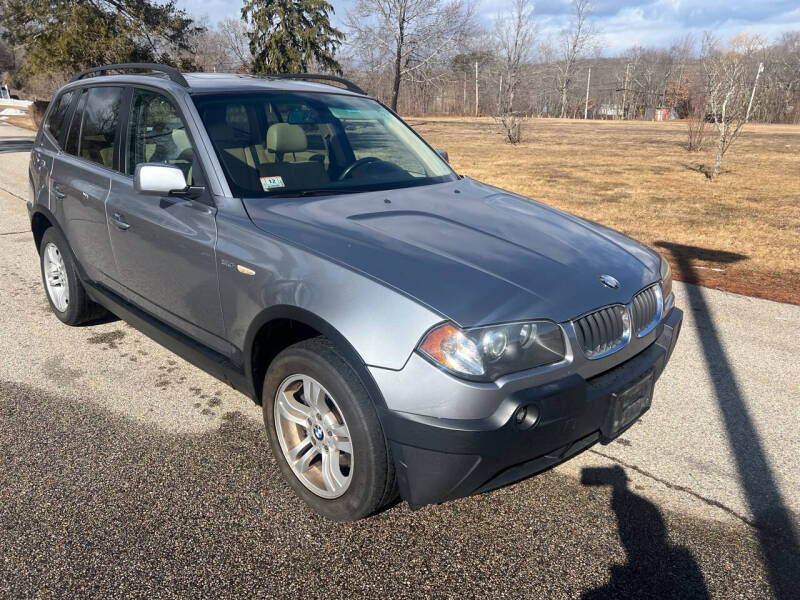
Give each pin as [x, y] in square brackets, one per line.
[441, 459]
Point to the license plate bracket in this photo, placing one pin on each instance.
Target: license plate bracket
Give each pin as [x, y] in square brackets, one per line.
[628, 405]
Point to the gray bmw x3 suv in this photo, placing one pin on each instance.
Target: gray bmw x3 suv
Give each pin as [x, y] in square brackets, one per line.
[407, 330]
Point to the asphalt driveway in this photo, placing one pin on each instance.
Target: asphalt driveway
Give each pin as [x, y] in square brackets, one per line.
[126, 471]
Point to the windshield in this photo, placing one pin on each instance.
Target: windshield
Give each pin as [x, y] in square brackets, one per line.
[278, 144]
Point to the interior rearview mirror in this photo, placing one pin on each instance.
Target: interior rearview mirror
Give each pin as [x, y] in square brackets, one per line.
[443, 154]
[159, 179]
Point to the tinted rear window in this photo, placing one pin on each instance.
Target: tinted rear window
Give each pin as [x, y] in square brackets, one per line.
[58, 116]
[75, 126]
[94, 126]
[100, 125]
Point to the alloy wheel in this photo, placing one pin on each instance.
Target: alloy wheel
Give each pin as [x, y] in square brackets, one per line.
[55, 276]
[314, 436]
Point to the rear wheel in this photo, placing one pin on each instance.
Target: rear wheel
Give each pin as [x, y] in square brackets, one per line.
[65, 292]
[324, 432]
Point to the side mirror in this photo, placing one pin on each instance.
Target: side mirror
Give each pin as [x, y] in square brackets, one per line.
[158, 179]
[443, 154]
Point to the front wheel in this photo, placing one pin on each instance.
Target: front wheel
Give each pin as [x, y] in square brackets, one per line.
[324, 432]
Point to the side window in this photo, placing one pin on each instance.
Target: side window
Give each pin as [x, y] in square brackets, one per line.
[94, 125]
[156, 133]
[74, 134]
[56, 120]
[100, 118]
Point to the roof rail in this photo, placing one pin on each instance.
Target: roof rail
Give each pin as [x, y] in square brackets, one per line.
[320, 76]
[171, 72]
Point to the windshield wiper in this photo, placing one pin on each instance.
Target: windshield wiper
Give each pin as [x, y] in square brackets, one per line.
[316, 192]
[325, 192]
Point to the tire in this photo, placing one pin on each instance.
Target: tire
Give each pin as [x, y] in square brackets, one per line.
[364, 479]
[71, 304]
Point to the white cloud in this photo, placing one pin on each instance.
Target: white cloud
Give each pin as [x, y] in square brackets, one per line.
[623, 23]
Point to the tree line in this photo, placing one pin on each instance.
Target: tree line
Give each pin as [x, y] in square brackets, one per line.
[419, 56]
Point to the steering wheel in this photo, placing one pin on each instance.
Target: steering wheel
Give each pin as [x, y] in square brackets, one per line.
[367, 160]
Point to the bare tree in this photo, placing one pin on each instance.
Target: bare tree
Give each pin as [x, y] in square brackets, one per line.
[237, 41]
[514, 34]
[781, 93]
[632, 83]
[221, 48]
[574, 42]
[731, 83]
[408, 35]
[206, 51]
[697, 106]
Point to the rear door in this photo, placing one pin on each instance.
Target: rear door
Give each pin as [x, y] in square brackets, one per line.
[49, 142]
[81, 179]
[165, 246]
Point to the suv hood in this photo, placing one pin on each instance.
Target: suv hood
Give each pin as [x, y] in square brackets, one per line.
[473, 253]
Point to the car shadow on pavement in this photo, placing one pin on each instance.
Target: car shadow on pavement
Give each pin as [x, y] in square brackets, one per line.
[771, 517]
[655, 568]
[102, 498]
[104, 319]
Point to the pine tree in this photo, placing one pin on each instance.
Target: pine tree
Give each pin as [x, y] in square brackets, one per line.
[64, 36]
[288, 35]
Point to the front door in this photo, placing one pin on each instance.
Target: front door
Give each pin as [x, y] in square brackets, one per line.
[164, 246]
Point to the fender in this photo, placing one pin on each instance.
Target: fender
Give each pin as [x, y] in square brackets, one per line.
[286, 311]
[35, 209]
[38, 208]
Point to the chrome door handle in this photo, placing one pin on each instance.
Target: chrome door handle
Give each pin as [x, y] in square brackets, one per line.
[59, 193]
[120, 222]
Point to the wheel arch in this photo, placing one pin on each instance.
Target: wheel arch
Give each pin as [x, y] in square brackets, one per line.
[278, 327]
[42, 220]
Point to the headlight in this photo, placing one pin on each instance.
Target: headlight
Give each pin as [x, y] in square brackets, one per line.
[666, 280]
[486, 353]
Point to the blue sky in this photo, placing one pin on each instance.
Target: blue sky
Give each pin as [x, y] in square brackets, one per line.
[623, 24]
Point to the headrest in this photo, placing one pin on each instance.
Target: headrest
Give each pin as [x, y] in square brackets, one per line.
[283, 137]
[180, 139]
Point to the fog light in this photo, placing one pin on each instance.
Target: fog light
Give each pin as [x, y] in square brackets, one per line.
[526, 417]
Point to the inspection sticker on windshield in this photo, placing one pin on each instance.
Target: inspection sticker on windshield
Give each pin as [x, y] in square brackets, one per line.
[269, 183]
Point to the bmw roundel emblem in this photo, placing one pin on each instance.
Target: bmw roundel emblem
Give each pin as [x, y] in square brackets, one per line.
[318, 432]
[609, 281]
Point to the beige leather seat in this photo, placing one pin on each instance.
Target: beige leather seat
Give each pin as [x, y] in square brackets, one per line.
[285, 141]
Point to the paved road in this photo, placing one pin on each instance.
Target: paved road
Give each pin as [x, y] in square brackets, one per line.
[125, 470]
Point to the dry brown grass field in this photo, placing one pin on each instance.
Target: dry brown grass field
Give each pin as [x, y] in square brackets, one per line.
[740, 232]
[25, 121]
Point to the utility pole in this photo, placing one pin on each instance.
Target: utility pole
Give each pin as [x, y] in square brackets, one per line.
[465, 92]
[500, 108]
[753, 93]
[586, 105]
[625, 89]
[476, 88]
